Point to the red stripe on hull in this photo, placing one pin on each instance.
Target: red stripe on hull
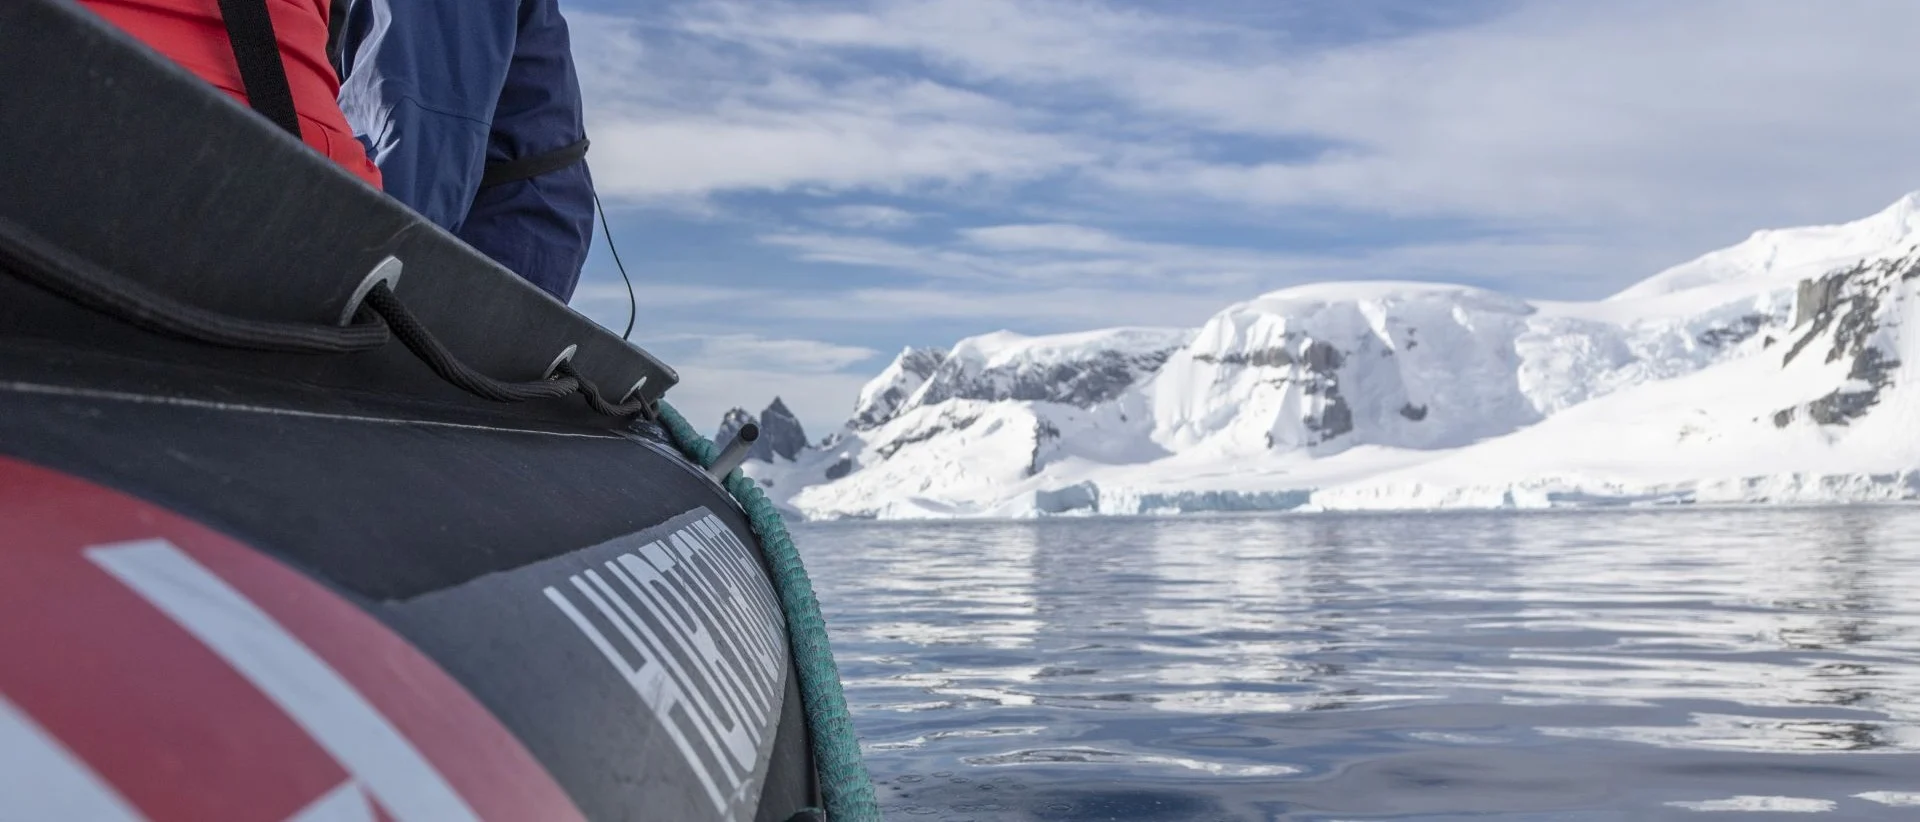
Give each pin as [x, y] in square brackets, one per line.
[169, 660]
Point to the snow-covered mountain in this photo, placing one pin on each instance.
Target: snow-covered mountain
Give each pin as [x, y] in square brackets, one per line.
[1767, 371]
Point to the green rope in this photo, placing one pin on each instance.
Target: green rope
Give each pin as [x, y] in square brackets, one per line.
[847, 787]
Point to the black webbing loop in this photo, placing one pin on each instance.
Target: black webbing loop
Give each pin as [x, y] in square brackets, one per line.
[31, 257]
[27, 255]
[428, 348]
[598, 402]
[566, 380]
[533, 166]
[257, 51]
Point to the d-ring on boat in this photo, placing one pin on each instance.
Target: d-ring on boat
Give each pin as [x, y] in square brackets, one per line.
[308, 512]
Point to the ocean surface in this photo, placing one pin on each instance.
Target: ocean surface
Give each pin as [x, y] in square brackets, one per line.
[1568, 666]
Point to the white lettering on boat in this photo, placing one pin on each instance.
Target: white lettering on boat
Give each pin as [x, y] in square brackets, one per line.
[700, 639]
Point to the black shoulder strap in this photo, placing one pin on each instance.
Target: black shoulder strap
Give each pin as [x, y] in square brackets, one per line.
[336, 38]
[533, 166]
[250, 30]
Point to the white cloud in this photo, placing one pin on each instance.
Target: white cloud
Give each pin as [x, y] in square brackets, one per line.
[1023, 257]
[1038, 311]
[675, 114]
[1688, 119]
[1618, 114]
[1033, 255]
[865, 216]
[747, 351]
[666, 156]
[1045, 237]
[652, 294]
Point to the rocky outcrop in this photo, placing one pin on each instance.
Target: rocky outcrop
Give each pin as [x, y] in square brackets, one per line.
[1009, 367]
[1842, 313]
[894, 445]
[780, 433]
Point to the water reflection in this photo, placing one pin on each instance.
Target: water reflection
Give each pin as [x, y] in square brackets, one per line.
[1646, 663]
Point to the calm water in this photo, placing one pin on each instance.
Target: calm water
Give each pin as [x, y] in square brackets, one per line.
[1574, 666]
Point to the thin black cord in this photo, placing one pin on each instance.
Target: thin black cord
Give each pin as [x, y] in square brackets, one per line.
[633, 303]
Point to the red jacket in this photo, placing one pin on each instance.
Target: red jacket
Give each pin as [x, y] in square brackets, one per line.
[192, 33]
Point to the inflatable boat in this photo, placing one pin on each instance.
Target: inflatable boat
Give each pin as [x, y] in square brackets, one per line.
[309, 512]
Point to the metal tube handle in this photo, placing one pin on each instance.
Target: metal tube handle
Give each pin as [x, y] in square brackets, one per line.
[734, 454]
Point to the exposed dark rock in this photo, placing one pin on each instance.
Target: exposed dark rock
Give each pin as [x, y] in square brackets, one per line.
[1083, 383]
[1278, 357]
[780, 432]
[1336, 417]
[1846, 303]
[1322, 357]
[1316, 373]
[891, 448]
[1814, 297]
[1319, 356]
[1043, 432]
[1741, 329]
[1782, 417]
[1413, 412]
[1836, 408]
[840, 469]
[1839, 407]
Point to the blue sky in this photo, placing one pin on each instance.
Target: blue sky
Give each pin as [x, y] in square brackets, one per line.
[799, 189]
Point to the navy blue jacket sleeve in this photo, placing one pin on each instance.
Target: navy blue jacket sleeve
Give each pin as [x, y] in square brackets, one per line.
[439, 89]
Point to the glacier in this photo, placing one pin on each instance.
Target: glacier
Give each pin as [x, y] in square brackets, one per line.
[1766, 372]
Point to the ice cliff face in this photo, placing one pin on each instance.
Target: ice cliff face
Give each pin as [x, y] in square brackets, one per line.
[1766, 371]
[1329, 367]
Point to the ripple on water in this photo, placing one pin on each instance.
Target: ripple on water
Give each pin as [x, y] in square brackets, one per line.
[1578, 666]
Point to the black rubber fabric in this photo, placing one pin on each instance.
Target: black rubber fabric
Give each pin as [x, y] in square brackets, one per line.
[257, 51]
[31, 257]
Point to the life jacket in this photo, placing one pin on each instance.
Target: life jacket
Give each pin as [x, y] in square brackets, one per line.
[194, 33]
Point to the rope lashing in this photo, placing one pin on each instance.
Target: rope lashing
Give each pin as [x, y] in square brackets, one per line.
[846, 786]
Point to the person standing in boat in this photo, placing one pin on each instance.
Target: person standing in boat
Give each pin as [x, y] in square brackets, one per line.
[194, 33]
[472, 111]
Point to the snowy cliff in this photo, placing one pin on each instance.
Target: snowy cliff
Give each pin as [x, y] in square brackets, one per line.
[1768, 371]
